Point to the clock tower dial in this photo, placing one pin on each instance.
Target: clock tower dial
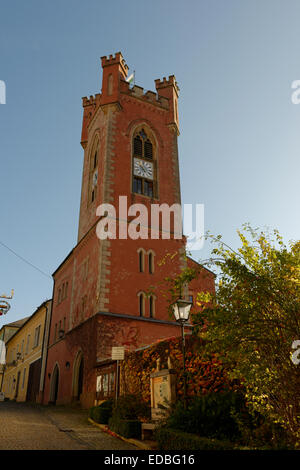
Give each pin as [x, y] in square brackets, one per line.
[143, 169]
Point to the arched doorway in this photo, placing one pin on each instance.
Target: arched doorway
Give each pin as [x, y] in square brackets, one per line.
[54, 385]
[78, 376]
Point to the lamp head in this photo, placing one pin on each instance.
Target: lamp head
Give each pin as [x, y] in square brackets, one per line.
[181, 310]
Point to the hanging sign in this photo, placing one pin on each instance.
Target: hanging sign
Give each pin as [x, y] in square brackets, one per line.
[4, 307]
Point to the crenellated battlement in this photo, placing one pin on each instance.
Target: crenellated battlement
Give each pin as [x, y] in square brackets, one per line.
[166, 83]
[91, 101]
[147, 96]
[115, 59]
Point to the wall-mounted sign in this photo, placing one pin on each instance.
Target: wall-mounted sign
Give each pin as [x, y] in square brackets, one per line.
[117, 353]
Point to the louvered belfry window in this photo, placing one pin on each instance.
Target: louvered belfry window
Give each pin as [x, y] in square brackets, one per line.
[138, 146]
[143, 149]
[148, 149]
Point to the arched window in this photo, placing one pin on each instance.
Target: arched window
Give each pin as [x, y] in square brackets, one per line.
[93, 172]
[144, 165]
[151, 262]
[151, 306]
[141, 298]
[94, 176]
[141, 255]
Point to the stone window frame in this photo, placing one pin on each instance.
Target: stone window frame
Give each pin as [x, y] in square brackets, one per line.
[93, 162]
[141, 303]
[150, 136]
[141, 259]
[151, 262]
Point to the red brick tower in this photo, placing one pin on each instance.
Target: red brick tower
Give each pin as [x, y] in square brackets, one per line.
[101, 290]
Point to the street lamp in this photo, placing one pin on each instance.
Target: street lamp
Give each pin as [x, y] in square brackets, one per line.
[181, 310]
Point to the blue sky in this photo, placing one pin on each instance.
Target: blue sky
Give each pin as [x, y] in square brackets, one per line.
[240, 133]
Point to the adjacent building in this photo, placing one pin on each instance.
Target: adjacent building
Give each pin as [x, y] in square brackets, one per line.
[6, 332]
[26, 351]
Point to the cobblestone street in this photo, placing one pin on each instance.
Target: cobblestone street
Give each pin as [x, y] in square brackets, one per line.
[32, 427]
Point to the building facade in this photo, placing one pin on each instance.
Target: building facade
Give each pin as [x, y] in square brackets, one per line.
[26, 352]
[6, 332]
[112, 292]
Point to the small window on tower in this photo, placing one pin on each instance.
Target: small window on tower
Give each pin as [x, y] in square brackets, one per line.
[151, 306]
[151, 263]
[93, 172]
[95, 160]
[141, 304]
[141, 261]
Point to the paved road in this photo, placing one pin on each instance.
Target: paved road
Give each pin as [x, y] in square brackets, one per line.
[33, 427]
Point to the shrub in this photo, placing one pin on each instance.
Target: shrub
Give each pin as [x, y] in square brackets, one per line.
[130, 428]
[131, 407]
[170, 439]
[91, 412]
[108, 404]
[101, 413]
[210, 415]
[225, 416]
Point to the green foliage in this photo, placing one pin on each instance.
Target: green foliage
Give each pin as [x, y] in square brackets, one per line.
[209, 415]
[129, 428]
[101, 413]
[170, 439]
[253, 319]
[108, 404]
[131, 407]
[91, 411]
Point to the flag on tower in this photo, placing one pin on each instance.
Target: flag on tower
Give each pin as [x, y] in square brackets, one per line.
[131, 78]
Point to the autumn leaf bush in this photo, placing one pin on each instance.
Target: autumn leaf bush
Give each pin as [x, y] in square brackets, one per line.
[203, 374]
[253, 319]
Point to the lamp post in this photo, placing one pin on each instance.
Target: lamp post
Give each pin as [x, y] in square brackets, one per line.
[181, 310]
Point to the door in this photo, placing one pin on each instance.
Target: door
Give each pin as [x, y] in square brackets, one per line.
[33, 384]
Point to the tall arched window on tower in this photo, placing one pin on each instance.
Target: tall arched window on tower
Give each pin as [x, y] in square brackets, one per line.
[141, 298]
[93, 173]
[150, 261]
[141, 255]
[144, 165]
[152, 306]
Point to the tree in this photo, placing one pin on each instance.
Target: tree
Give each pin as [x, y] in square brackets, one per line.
[254, 318]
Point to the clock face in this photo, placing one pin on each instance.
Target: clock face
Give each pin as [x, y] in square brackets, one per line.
[95, 178]
[143, 169]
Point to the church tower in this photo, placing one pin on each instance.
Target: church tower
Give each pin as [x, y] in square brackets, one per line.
[113, 292]
[130, 143]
